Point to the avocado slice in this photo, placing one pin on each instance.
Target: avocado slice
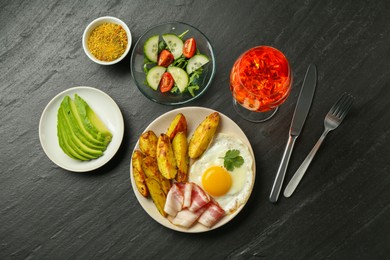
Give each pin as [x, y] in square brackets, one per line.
[77, 125]
[75, 143]
[91, 121]
[78, 132]
[61, 141]
[64, 142]
[81, 133]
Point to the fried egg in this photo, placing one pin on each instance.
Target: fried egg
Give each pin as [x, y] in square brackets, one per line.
[230, 189]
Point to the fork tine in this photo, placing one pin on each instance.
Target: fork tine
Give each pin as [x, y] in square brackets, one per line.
[343, 105]
[336, 107]
[347, 105]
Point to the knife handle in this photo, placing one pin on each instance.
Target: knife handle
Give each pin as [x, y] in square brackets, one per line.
[282, 169]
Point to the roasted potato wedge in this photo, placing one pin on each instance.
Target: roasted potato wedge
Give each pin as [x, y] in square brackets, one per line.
[178, 124]
[150, 168]
[180, 149]
[165, 157]
[138, 173]
[157, 194]
[203, 135]
[148, 143]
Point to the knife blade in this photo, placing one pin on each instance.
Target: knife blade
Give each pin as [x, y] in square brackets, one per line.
[301, 111]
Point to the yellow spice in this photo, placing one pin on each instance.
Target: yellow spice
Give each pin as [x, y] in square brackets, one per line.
[107, 42]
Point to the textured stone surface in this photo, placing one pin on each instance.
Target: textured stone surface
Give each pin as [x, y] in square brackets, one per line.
[341, 209]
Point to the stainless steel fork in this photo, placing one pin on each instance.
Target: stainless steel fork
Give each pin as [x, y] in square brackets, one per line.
[332, 120]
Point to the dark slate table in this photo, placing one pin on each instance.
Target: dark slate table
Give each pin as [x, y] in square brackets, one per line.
[341, 209]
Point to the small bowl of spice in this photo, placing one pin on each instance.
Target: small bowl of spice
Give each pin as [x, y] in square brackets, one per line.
[107, 40]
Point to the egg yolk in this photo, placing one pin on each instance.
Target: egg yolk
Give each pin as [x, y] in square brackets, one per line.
[216, 181]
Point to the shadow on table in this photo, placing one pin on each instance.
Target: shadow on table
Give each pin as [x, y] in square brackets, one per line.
[122, 67]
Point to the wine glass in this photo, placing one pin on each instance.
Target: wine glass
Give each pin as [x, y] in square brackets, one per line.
[260, 81]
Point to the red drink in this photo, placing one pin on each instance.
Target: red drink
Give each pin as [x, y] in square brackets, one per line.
[260, 79]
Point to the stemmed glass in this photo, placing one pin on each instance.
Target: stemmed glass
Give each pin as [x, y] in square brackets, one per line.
[260, 82]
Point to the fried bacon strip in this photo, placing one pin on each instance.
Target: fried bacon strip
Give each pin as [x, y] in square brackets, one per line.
[187, 218]
[199, 198]
[212, 214]
[187, 203]
[175, 200]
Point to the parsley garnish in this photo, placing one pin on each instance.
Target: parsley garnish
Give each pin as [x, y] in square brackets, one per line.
[232, 160]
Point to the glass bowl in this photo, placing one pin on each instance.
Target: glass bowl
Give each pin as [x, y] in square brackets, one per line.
[138, 60]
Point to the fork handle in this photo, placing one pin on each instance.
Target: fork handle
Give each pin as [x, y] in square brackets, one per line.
[292, 185]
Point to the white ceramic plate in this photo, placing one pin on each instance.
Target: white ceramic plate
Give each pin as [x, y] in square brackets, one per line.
[194, 116]
[103, 105]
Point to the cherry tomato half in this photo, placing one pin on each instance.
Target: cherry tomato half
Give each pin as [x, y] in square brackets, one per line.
[165, 58]
[166, 82]
[189, 48]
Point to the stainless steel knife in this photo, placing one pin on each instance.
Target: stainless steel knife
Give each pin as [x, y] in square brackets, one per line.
[301, 110]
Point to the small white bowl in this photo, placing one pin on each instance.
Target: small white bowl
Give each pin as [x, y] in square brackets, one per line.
[93, 25]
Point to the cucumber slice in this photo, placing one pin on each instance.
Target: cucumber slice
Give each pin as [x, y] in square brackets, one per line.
[196, 62]
[154, 76]
[174, 43]
[180, 77]
[151, 48]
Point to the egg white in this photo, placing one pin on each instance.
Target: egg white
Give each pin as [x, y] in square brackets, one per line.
[242, 177]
